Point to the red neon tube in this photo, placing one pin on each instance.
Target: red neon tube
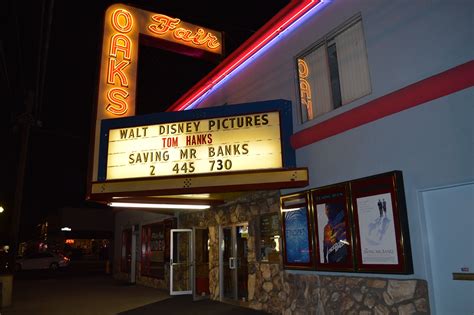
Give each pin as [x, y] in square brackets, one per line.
[282, 20]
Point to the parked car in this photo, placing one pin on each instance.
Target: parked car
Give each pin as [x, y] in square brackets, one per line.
[43, 260]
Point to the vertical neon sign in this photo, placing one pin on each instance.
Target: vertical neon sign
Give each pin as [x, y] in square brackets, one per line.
[305, 88]
[119, 59]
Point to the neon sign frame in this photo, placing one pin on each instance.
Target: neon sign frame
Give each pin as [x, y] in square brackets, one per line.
[123, 25]
[293, 14]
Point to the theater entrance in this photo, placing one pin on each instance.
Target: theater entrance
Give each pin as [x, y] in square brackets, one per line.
[189, 263]
[233, 262]
[181, 268]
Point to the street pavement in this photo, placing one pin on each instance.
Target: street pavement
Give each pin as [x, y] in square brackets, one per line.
[88, 295]
[84, 288]
[79, 290]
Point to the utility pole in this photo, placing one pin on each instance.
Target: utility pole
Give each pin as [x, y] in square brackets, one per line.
[33, 101]
[25, 121]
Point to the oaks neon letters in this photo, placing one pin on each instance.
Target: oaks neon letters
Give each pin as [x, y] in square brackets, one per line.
[119, 60]
[305, 88]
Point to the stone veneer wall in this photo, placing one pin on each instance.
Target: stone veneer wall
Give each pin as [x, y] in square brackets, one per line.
[144, 280]
[147, 281]
[278, 291]
[282, 292]
[245, 209]
[163, 284]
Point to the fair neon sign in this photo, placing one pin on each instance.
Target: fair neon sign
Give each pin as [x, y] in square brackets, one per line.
[119, 60]
[165, 24]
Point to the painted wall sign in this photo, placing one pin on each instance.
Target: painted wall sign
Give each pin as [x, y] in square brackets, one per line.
[233, 143]
[123, 26]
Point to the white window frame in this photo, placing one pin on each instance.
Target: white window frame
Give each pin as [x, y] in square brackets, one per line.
[325, 42]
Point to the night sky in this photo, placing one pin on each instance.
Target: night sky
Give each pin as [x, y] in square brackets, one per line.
[65, 85]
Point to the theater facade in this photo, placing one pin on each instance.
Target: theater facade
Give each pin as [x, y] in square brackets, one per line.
[321, 168]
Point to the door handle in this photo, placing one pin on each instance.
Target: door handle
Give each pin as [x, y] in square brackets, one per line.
[231, 263]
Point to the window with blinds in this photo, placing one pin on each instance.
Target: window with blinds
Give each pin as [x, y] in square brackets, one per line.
[334, 72]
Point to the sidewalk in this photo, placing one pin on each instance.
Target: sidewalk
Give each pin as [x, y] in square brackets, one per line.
[184, 305]
[103, 295]
[98, 295]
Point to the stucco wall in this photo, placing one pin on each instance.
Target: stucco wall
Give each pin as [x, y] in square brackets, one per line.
[407, 41]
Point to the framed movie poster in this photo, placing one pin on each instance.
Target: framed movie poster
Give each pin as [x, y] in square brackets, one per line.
[333, 228]
[381, 224]
[296, 224]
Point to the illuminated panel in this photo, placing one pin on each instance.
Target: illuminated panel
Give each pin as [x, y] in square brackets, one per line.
[216, 145]
[119, 59]
[268, 34]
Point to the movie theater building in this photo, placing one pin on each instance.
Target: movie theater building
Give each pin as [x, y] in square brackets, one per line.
[324, 167]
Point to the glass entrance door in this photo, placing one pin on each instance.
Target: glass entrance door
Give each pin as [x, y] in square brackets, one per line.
[181, 267]
[234, 266]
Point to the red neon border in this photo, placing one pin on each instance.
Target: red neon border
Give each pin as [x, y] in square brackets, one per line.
[439, 85]
[264, 35]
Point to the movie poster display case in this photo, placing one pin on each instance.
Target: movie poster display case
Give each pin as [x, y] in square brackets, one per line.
[354, 226]
[333, 228]
[381, 224]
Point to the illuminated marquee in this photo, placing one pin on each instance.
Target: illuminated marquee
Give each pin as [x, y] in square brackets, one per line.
[217, 149]
[236, 143]
[122, 27]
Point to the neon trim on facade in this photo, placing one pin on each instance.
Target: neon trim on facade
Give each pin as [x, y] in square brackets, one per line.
[266, 36]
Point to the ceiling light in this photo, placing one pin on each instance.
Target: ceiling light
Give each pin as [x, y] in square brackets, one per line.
[158, 206]
[291, 209]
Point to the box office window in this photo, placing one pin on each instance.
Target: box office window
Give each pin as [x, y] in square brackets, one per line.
[334, 72]
[153, 250]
